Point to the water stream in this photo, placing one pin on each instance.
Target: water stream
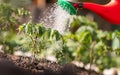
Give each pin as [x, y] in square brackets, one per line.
[56, 18]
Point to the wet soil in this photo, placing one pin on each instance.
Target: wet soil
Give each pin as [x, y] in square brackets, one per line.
[19, 65]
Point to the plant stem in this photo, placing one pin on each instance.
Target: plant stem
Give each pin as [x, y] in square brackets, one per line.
[34, 47]
[91, 56]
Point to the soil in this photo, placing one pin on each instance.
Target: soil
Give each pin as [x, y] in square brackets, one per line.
[19, 65]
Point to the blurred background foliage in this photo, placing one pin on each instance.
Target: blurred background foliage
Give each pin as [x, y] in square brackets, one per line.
[82, 42]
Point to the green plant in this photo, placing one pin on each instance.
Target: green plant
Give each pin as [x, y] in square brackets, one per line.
[9, 16]
[40, 38]
[91, 45]
[9, 22]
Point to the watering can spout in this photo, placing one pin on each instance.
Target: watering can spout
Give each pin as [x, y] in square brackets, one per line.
[110, 12]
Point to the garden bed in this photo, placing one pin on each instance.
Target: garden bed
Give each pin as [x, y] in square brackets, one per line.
[19, 65]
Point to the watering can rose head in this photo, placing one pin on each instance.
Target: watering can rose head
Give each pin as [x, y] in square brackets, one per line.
[110, 12]
[67, 6]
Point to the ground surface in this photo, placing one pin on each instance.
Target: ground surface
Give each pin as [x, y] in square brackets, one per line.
[16, 65]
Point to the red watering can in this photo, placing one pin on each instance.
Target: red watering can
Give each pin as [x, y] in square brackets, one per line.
[110, 12]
